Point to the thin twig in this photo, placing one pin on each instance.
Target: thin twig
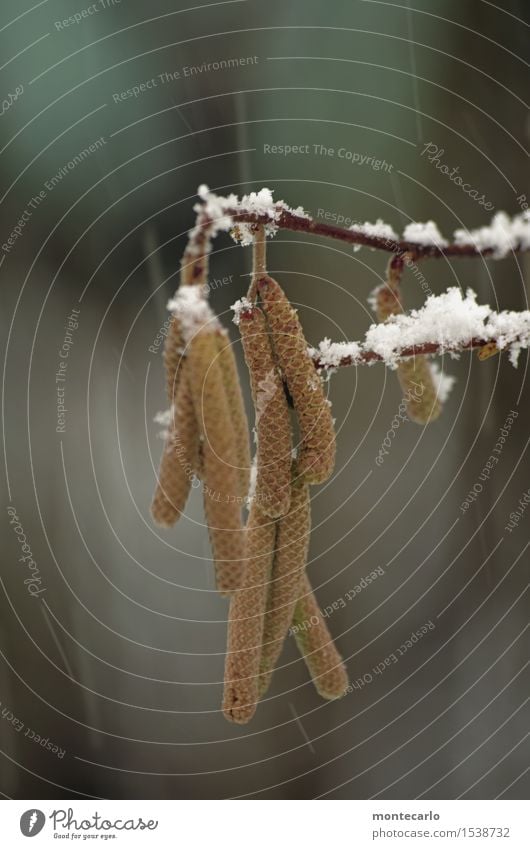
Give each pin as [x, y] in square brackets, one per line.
[289, 221]
[260, 253]
[367, 357]
[259, 260]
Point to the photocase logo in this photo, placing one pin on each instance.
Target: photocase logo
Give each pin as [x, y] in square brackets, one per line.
[32, 822]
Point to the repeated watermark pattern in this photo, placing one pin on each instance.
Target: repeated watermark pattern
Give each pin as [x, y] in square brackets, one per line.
[83, 14]
[11, 99]
[490, 464]
[435, 155]
[353, 157]
[185, 72]
[72, 324]
[391, 659]
[33, 582]
[517, 514]
[341, 602]
[337, 218]
[9, 717]
[397, 421]
[49, 185]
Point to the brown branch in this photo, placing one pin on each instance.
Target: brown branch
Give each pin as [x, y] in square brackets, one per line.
[367, 357]
[288, 221]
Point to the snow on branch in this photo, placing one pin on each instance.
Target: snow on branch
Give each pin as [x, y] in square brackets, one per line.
[447, 323]
[421, 239]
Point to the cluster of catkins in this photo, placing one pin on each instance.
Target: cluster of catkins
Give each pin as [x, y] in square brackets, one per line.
[261, 565]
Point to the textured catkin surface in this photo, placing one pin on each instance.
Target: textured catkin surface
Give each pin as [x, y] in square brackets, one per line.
[226, 539]
[415, 379]
[414, 374]
[317, 434]
[179, 460]
[290, 559]
[222, 503]
[236, 407]
[173, 357]
[273, 425]
[316, 646]
[245, 626]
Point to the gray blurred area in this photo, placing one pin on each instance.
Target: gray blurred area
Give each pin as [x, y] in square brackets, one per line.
[118, 662]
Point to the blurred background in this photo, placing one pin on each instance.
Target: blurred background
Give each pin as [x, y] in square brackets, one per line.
[117, 659]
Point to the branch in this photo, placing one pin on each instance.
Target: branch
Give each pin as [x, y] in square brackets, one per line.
[502, 237]
[322, 362]
[447, 323]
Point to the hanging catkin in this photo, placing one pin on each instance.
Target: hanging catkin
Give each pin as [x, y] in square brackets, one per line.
[290, 560]
[236, 408]
[173, 357]
[245, 626]
[273, 426]
[414, 374]
[317, 647]
[317, 436]
[179, 460]
[222, 504]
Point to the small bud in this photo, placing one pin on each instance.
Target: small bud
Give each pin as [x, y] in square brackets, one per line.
[487, 351]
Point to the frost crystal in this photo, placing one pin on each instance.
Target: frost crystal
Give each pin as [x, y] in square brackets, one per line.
[219, 210]
[191, 308]
[503, 235]
[425, 234]
[331, 353]
[379, 230]
[443, 383]
[164, 418]
[253, 482]
[448, 321]
[243, 305]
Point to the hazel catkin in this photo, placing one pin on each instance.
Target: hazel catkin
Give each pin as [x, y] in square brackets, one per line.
[173, 357]
[414, 373]
[290, 560]
[273, 425]
[236, 406]
[179, 460]
[316, 646]
[245, 626]
[222, 503]
[316, 458]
